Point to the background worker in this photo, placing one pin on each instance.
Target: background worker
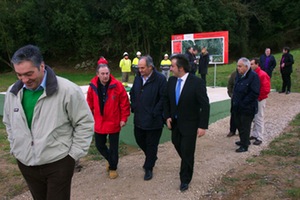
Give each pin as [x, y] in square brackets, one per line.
[165, 65]
[125, 65]
[135, 63]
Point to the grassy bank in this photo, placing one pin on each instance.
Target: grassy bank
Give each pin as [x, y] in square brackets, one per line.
[223, 72]
[274, 174]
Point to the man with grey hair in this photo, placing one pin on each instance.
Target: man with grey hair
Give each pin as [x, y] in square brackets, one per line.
[110, 106]
[244, 101]
[49, 125]
[146, 97]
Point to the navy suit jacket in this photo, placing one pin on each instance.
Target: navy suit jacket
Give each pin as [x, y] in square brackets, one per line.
[192, 111]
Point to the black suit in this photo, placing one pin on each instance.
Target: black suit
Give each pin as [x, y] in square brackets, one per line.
[191, 113]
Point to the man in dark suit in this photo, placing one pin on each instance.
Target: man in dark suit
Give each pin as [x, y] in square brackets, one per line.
[186, 111]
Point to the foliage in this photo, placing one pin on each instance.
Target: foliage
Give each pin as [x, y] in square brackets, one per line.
[81, 30]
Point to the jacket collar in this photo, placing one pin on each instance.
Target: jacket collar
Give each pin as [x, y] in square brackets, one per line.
[51, 83]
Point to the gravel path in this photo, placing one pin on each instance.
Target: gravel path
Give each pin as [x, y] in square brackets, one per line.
[215, 155]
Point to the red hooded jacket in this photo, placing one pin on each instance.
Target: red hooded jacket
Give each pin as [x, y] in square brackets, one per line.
[116, 109]
[265, 84]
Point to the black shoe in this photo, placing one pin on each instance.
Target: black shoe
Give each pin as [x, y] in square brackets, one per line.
[148, 174]
[184, 187]
[241, 149]
[257, 142]
[281, 92]
[240, 144]
[287, 92]
[252, 138]
[230, 134]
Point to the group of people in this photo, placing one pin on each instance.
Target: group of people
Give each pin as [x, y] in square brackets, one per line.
[248, 87]
[50, 124]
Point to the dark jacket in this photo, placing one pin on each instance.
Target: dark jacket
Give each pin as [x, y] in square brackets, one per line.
[288, 61]
[191, 58]
[146, 101]
[192, 111]
[271, 65]
[203, 63]
[245, 93]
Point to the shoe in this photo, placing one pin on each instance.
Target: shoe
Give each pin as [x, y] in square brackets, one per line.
[287, 92]
[113, 174]
[107, 166]
[148, 175]
[240, 144]
[257, 142]
[230, 134]
[281, 92]
[184, 187]
[241, 149]
[252, 138]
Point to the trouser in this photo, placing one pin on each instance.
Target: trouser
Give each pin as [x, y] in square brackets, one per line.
[185, 146]
[125, 77]
[286, 82]
[203, 76]
[258, 122]
[148, 141]
[232, 127]
[166, 73]
[136, 71]
[49, 181]
[243, 124]
[111, 154]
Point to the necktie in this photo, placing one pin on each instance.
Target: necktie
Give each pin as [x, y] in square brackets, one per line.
[177, 92]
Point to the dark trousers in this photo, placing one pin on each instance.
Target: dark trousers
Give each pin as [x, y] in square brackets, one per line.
[148, 141]
[203, 76]
[49, 181]
[185, 146]
[286, 82]
[232, 127]
[111, 154]
[243, 124]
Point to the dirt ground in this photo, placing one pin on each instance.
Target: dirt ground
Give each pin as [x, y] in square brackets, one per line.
[215, 156]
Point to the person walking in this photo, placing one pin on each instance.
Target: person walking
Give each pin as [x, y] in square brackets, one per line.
[147, 105]
[110, 106]
[286, 69]
[165, 65]
[244, 101]
[125, 65]
[186, 111]
[46, 132]
[265, 86]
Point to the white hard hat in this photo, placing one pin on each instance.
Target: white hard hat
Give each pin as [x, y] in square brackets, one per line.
[166, 55]
[138, 53]
[125, 54]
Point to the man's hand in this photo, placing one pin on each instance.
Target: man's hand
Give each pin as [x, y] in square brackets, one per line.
[200, 132]
[122, 123]
[169, 123]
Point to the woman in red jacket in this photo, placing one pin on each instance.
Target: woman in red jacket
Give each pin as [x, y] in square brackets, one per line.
[110, 106]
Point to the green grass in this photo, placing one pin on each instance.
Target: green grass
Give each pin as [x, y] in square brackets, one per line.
[81, 77]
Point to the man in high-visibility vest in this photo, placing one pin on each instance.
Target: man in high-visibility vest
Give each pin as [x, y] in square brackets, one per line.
[165, 66]
[135, 63]
[125, 65]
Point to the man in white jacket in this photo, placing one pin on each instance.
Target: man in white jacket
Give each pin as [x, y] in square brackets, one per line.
[49, 125]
